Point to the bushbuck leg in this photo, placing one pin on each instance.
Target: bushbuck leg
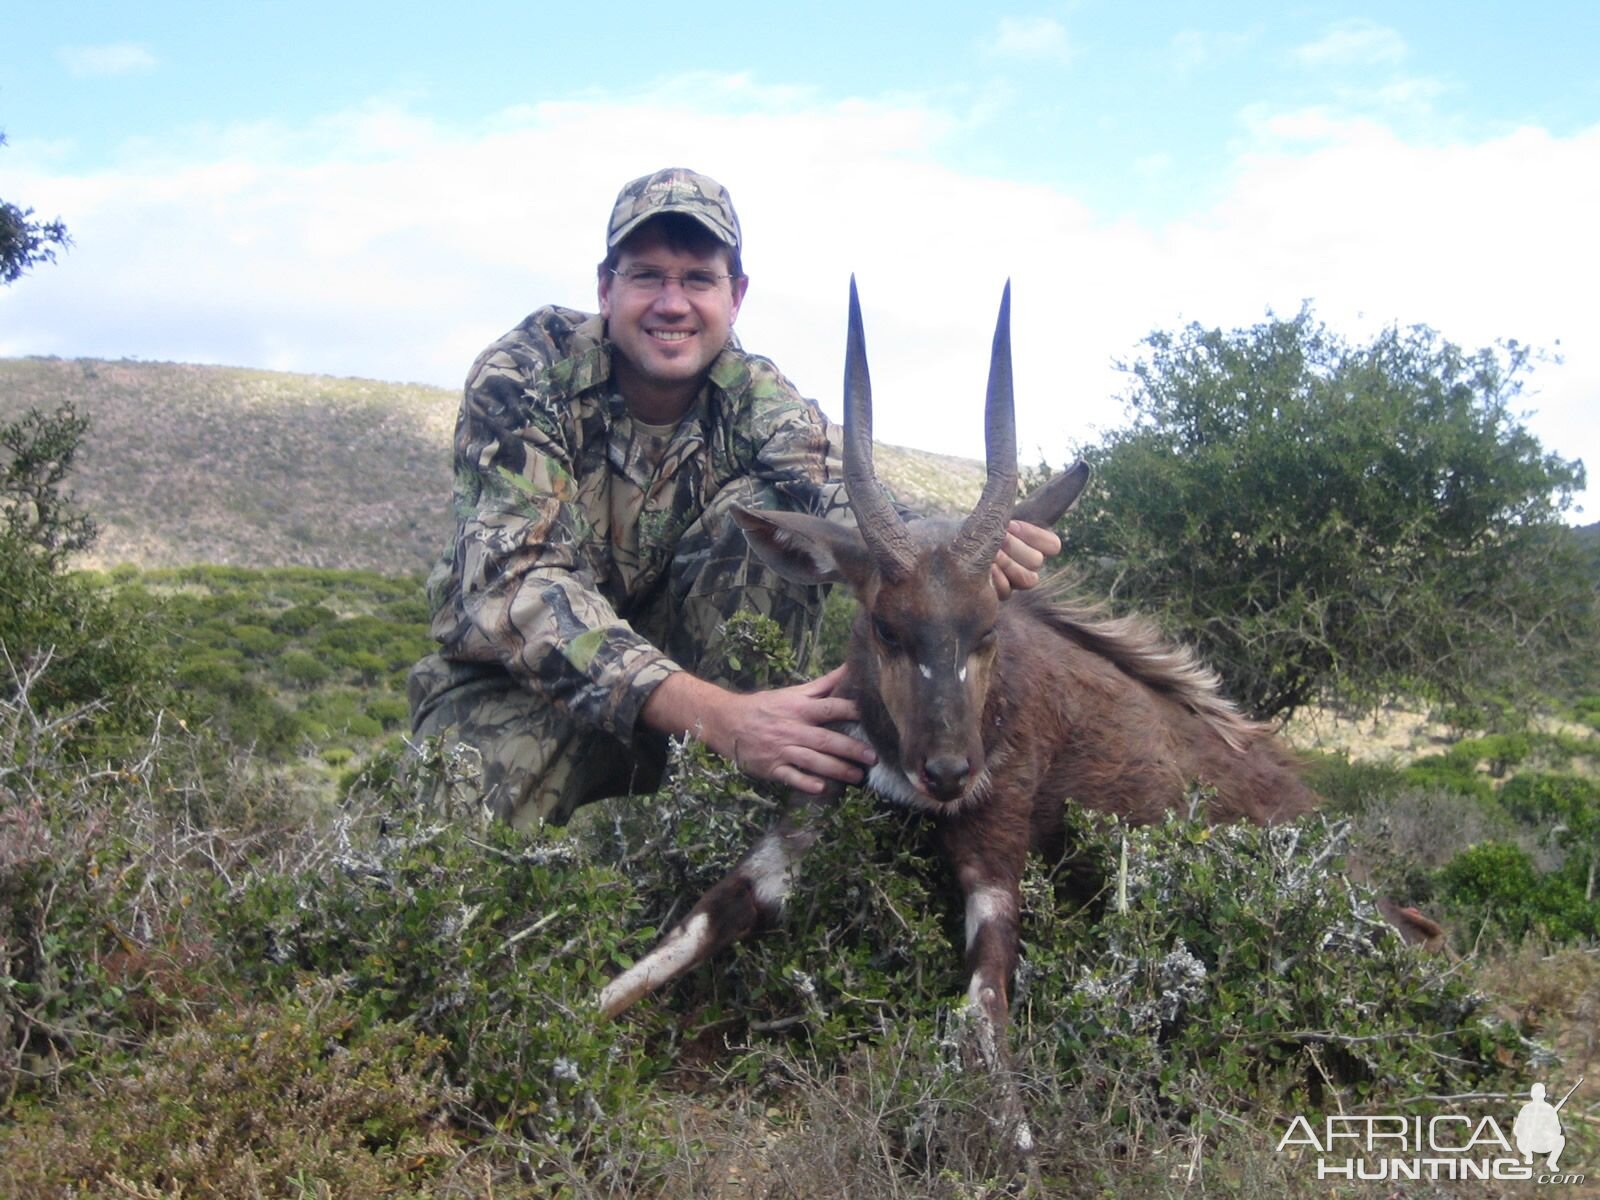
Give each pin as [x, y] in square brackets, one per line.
[748, 898]
[989, 859]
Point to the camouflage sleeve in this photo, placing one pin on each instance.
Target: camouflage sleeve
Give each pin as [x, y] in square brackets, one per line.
[789, 444]
[800, 451]
[526, 554]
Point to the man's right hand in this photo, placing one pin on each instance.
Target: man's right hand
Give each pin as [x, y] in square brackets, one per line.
[779, 735]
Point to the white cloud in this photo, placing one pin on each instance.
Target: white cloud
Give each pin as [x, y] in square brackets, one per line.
[1035, 39]
[121, 58]
[1193, 49]
[1354, 43]
[377, 243]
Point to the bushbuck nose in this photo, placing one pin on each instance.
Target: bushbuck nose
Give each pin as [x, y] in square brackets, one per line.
[946, 775]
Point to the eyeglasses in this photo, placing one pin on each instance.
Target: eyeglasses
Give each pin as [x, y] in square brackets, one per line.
[651, 280]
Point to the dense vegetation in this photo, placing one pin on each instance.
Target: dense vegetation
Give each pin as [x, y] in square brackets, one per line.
[250, 944]
[1351, 520]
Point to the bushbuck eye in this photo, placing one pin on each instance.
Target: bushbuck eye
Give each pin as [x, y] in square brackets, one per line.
[884, 634]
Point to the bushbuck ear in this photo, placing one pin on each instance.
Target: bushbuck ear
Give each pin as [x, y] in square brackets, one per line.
[803, 548]
[1046, 505]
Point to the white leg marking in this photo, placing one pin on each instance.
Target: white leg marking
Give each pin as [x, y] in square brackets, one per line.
[975, 990]
[672, 956]
[985, 904]
[771, 870]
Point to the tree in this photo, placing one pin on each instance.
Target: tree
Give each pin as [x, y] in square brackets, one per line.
[25, 243]
[1328, 520]
[71, 645]
[36, 455]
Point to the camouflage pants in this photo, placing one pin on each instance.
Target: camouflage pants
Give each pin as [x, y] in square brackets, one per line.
[536, 762]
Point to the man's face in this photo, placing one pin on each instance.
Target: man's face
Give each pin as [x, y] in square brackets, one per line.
[669, 337]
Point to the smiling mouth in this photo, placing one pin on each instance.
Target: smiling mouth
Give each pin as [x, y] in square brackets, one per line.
[671, 335]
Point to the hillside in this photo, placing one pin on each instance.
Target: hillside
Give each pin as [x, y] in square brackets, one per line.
[189, 464]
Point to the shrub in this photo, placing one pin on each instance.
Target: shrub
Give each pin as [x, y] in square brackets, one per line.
[302, 669]
[216, 670]
[257, 641]
[1568, 806]
[489, 940]
[413, 610]
[1587, 710]
[1325, 517]
[1244, 966]
[301, 619]
[293, 1097]
[1449, 772]
[389, 711]
[102, 937]
[1347, 786]
[1496, 886]
[101, 650]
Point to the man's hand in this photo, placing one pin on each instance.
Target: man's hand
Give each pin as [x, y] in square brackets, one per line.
[778, 735]
[1021, 555]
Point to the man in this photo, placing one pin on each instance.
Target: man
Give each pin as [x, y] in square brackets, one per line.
[582, 606]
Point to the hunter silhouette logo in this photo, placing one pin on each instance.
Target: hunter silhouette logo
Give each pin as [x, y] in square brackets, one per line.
[1443, 1146]
[1538, 1129]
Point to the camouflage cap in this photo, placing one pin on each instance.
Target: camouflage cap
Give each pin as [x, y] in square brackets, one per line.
[674, 190]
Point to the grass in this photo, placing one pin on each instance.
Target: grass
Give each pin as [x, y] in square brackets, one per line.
[229, 969]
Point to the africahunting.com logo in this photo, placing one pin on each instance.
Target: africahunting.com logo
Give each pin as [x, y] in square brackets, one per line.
[1442, 1146]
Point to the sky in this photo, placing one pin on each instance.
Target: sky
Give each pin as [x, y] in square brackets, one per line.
[380, 190]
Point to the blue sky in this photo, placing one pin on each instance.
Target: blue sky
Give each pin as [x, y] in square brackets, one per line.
[380, 190]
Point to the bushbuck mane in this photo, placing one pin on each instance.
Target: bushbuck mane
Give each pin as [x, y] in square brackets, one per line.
[1140, 650]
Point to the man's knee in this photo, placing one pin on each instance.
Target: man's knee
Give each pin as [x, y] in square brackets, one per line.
[508, 749]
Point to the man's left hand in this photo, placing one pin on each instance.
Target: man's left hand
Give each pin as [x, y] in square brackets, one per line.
[1021, 555]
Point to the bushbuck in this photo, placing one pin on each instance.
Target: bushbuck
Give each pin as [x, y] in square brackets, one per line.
[988, 716]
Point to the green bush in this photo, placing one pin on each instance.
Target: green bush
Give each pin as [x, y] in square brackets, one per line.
[370, 667]
[296, 1097]
[413, 610]
[214, 670]
[103, 658]
[1587, 710]
[1567, 808]
[301, 619]
[257, 641]
[303, 670]
[1322, 517]
[389, 711]
[1243, 965]
[1496, 886]
[1347, 786]
[1536, 797]
[101, 941]
[361, 633]
[493, 942]
[1446, 774]
[363, 726]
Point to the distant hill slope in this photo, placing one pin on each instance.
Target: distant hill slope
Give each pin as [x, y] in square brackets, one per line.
[189, 464]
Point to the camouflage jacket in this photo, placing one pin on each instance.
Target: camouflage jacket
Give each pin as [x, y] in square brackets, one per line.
[536, 578]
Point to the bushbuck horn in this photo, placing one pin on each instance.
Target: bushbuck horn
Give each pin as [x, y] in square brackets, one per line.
[985, 529]
[881, 528]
